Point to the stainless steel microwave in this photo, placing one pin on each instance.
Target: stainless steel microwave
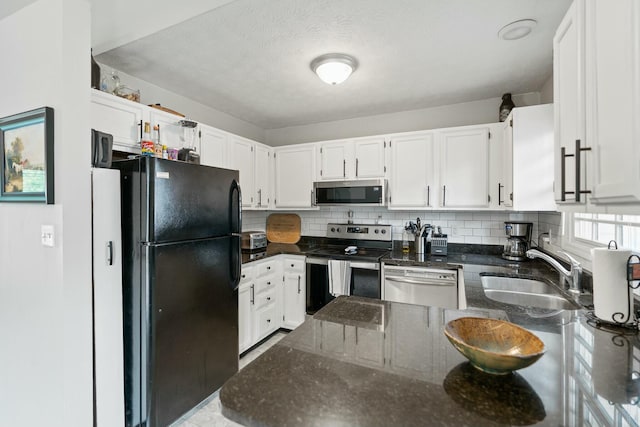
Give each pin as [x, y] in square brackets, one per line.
[370, 192]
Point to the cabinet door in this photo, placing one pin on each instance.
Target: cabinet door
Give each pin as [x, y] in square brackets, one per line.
[569, 110]
[613, 99]
[294, 304]
[172, 134]
[464, 173]
[369, 158]
[242, 160]
[246, 302]
[505, 184]
[119, 117]
[412, 171]
[263, 178]
[213, 146]
[333, 160]
[294, 177]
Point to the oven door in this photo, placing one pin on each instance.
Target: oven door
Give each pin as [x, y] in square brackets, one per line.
[365, 279]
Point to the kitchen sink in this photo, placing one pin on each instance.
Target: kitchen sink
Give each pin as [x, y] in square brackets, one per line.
[525, 292]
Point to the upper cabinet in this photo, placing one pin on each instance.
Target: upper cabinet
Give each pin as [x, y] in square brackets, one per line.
[613, 99]
[213, 146]
[119, 117]
[294, 175]
[263, 158]
[412, 171]
[362, 158]
[597, 103]
[527, 154]
[172, 134]
[464, 167]
[241, 158]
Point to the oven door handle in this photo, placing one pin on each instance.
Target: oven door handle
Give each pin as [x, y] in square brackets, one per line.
[425, 282]
[364, 265]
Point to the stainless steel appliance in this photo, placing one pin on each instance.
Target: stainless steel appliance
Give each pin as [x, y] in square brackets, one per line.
[420, 285]
[358, 270]
[518, 238]
[181, 269]
[370, 192]
[254, 240]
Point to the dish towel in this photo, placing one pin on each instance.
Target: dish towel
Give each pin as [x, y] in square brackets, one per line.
[339, 277]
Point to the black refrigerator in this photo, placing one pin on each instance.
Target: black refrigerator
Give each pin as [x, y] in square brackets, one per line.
[181, 256]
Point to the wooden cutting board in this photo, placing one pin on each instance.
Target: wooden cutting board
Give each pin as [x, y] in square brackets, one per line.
[283, 228]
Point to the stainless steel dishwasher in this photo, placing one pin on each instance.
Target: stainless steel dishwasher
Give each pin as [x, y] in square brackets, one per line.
[420, 285]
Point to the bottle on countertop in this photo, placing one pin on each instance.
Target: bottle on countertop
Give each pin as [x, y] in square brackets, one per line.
[146, 144]
[405, 241]
[156, 141]
[165, 153]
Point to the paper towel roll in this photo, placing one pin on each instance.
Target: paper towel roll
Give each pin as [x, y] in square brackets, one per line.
[611, 292]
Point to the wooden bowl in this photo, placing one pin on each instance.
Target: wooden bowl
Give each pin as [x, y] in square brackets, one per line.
[492, 345]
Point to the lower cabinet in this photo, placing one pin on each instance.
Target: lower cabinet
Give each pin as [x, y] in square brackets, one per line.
[271, 296]
[294, 292]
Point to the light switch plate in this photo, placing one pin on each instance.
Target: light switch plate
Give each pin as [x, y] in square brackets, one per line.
[47, 236]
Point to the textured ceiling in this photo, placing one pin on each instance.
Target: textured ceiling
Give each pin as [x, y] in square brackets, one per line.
[250, 58]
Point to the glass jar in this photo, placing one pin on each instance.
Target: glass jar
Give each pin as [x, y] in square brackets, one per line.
[110, 83]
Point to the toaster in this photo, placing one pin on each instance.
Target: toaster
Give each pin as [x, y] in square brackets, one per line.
[253, 240]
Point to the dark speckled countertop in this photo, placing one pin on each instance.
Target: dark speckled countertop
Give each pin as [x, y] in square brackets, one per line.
[363, 362]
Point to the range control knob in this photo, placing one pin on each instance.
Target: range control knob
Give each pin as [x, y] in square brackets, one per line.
[338, 229]
[383, 231]
[333, 229]
[376, 231]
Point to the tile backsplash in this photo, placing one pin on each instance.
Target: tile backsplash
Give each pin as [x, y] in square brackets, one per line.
[461, 226]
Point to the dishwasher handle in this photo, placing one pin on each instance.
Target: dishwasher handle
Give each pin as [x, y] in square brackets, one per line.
[423, 281]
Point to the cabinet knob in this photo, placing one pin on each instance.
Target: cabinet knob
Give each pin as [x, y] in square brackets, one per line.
[268, 298]
[268, 283]
[269, 267]
[268, 320]
[291, 265]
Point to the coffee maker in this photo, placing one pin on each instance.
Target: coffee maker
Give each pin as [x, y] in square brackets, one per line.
[518, 239]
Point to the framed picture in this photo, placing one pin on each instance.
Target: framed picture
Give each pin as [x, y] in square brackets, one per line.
[26, 157]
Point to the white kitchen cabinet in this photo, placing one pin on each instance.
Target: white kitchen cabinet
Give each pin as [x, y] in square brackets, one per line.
[246, 309]
[263, 176]
[412, 171]
[294, 291]
[528, 159]
[172, 134]
[613, 100]
[268, 297]
[464, 167]
[352, 159]
[213, 146]
[241, 158]
[294, 175]
[119, 117]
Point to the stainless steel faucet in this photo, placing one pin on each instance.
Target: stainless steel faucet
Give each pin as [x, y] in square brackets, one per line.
[572, 276]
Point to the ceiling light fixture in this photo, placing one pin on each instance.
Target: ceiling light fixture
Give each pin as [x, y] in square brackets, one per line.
[517, 30]
[334, 68]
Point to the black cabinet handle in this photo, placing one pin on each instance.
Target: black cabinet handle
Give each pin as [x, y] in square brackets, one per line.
[578, 164]
[298, 284]
[500, 201]
[444, 195]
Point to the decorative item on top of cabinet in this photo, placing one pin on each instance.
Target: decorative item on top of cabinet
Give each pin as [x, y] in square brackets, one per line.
[506, 107]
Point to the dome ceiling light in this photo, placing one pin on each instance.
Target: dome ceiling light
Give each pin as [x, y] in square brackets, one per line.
[334, 68]
[517, 30]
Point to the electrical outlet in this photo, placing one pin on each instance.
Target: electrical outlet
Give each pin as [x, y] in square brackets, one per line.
[47, 236]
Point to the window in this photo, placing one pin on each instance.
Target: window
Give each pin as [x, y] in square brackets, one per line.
[597, 229]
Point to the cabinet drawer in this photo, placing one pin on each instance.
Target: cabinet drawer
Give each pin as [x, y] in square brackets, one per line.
[246, 274]
[265, 298]
[266, 284]
[266, 268]
[294, 265]
[267, 320]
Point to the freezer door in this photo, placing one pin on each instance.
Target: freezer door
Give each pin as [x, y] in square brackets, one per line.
[175, 201]
[189, 327]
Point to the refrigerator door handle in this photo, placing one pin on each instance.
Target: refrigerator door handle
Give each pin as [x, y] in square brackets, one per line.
[236, 214]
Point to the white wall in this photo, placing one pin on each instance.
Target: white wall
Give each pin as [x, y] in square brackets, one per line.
[546, 91]
[468, 113]
[152, 94]
[45, 293]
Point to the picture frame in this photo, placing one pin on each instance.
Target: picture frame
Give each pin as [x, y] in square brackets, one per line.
[26, 157]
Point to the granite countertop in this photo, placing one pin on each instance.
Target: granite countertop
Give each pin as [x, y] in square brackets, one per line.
[362, 362]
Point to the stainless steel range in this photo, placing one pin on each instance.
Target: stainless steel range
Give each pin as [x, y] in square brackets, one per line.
[347, 263]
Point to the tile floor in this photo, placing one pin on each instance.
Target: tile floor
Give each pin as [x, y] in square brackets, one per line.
[209, 412]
